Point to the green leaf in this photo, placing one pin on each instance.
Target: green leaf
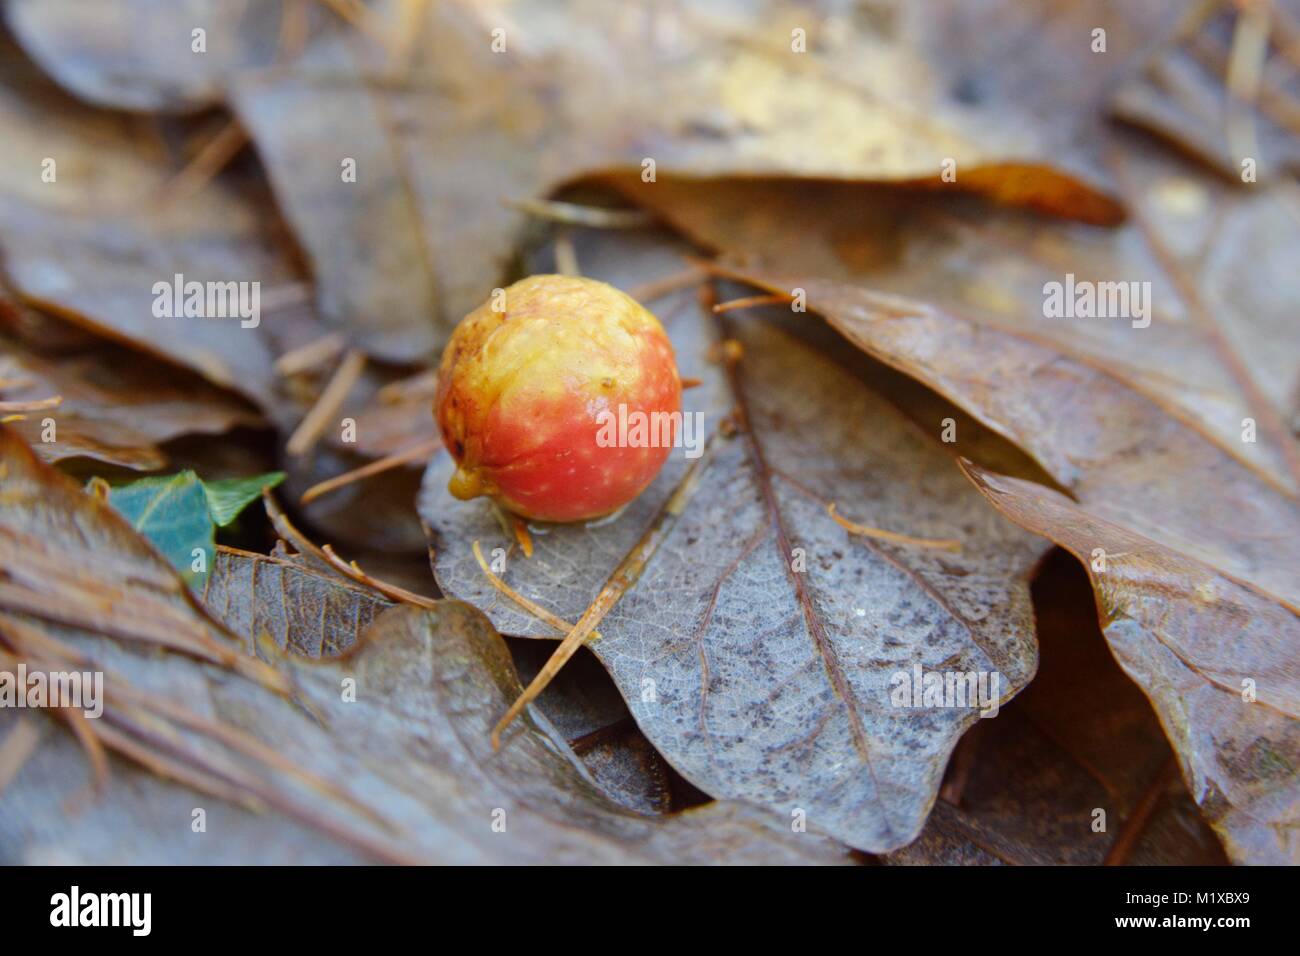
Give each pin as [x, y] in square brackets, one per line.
[172, 512]
[227, 497]
[180, 514]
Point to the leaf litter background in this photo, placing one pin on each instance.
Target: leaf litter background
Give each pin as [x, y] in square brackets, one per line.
[814, 170]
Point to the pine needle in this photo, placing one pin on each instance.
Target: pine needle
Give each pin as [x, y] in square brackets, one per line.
[533, 608]
[945, 544]
[415, 453]
[331, 400]
[751, 301]
[619, 583]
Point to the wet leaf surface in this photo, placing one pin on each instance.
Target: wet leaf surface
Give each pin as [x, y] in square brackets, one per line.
[1144, 481]
[1027, 788]
[1215, 654]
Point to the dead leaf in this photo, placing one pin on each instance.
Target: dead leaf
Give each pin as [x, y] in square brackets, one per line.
[51, 533]
[992, 266]
[1215, 654]
[1183, 93]
[413, 743]
[138, 56]
[1073, 769]
[443, 141]
[1144, 480]
[92, 245]
[107, 413]
[767, 684]
[303, 610]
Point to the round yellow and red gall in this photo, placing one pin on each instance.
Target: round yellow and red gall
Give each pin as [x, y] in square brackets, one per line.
[529, 394]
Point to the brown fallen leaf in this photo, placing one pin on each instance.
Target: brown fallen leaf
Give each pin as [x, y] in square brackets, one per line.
[413, 742]
[51, 532]
[136, 56]
[441, 140]
[108, 412]
[1144, 480]
[80, 590]
[1112, 447]
[92, 244]
[586, 708]
[307, 608]
[1191, 237]
[1216, 655]
[303, 610]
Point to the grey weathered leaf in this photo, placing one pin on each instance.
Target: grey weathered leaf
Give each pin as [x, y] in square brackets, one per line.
[1182, 92]
[373, 267]
[771, 685]
[1118, 451]
[443, 130]
[1152, 489]
[307, 609]
[138, 55]
[993, 265]
[1026, 788]
[442, 139]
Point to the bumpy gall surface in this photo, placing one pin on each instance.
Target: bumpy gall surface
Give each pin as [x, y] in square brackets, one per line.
[521, 392]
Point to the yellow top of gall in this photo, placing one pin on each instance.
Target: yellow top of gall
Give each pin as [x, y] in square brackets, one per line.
[548, 328]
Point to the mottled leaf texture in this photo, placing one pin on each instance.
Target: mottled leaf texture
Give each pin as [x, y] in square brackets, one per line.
[756, 681]
[1026, 788]
[1216, 654]
[309, 610]
[1147, 480]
